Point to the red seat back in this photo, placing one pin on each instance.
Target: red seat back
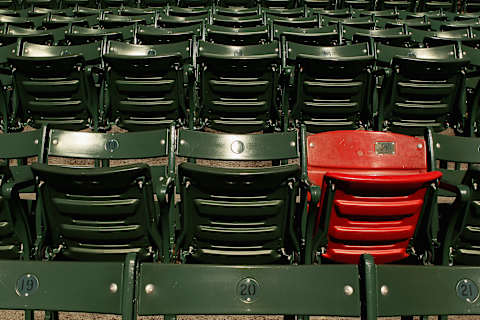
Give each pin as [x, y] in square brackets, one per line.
[380, 181]
[364, 152]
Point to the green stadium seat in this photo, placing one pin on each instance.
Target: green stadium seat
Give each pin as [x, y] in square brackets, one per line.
[426, 88]
[470, 6]
[284, 12]
[238, 86]
[237, 36]
[417, 23]
[247, 215]
[457, 158]
[237, 22]
[431, 5]
[194, 3]
[392, 36]
[150, 35]
[103, 214]
[82, 35]
[396, 4]
[164, 21]
[187, 12]
[57, 21]
[297, 22]
[16, 222]
[324, 36]
[388, 13]
[462, 24]
[334, 13]
[134, 11]
[459, 37]
[360, 22]
[319, 4]
[146, 84]
[234, 11]
[358, 4]
[434, 38]
[333, 86]
[21, 21]
[54, 86]
[13, 33]
[117, 21]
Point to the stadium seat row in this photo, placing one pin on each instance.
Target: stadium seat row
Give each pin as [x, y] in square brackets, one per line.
[359, 192]
[240, 88]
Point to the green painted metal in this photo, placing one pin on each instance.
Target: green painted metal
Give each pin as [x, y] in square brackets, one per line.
[190, 11]
[63, 286]
[237, 22]
[392, 36]
[237, 36]
[368, 279]
[247, 216]
[51, 77]
[14, 33]
[238, 86]
[165, 21]
[234, 10]
[117, 21]
[324, 36]
[424, 290]
[90, 145]
[103, 214]
[146, 84]
[295, 22]
[324, 102]
[23, 145]
[417, 23]
[150, 35]
[202, 289]
[15, 232]
[458, 230]
[407, 108]
[81, 35]
[125, 217]
[204, 145]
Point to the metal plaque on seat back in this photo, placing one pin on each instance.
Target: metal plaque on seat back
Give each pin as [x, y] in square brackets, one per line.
[385, 147]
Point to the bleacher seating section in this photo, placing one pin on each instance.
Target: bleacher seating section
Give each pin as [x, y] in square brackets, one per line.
[156, 221]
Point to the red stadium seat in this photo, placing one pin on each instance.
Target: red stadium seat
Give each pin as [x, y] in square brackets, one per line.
[375, 194]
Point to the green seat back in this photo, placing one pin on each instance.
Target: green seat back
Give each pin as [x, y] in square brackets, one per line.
[15, 230]
[149, 35]
[324, 36]
[458, 159]
[117, 21]
[15, 226]
[146, 84]
[333, 86]
[392, 36]
[296, 22]
[237, 36]
[237, 22]
[426, 89]
[237, 215]
[54, 87]
[101, 213]
[81, 35]
[238, 86]
[165, 21]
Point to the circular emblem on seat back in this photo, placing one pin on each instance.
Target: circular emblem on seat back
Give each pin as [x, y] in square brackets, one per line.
[467, 290]
[26, 285]
[237, 147]
[248, 290]
[111, 145]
